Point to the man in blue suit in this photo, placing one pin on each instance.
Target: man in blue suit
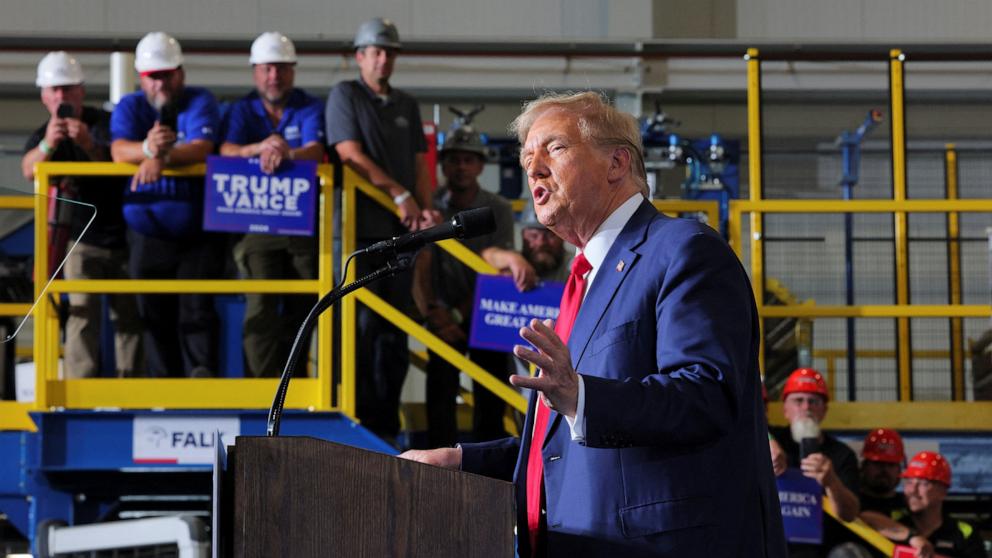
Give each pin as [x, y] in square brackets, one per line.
[655, 443]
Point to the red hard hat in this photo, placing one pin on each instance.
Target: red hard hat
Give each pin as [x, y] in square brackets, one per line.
[805, 380]
[883, 445]
[928, 465]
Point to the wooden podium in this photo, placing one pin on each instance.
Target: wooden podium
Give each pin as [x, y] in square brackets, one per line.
[300, 497]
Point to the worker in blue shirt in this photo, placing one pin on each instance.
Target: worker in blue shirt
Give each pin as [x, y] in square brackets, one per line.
[167, 124]
[275, 123]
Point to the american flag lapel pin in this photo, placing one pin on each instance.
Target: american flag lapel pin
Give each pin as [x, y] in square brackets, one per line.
[620, 266]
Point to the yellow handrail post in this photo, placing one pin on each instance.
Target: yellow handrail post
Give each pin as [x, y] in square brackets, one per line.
[53, 348]
[325, 276]
[42, 310]
[734, 225]
[954, 269]
[348, 362]
[756, 186]
[456, 358]
[897, 108]
[708, 207]
[861, 529]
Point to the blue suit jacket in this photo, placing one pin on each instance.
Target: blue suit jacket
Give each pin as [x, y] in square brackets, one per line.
[676, 459]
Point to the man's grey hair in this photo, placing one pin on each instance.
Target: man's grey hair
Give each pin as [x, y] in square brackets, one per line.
[599, 122]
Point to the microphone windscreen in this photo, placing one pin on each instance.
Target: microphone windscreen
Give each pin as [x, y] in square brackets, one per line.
[476, 222]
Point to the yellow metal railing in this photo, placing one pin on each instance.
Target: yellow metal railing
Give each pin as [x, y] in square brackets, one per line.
[904, 416]
[954, 269]
[897, 107]
[710, 208]
[900, 311]
[16, 309]
[899, 206]
[14, 415]
[132, 393]
[352, 185]
[861, 529]
[831, 356]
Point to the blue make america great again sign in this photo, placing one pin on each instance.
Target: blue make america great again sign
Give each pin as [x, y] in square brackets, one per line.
[802, 507]
[239, 197]
[501, 310]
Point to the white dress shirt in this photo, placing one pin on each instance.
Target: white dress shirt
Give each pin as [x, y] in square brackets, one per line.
[595, 252]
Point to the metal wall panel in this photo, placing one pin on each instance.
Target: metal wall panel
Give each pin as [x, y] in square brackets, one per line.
[336, 19]
[864, 20]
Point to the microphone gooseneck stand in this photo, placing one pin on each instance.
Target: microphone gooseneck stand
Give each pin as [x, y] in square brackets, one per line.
[400, 262]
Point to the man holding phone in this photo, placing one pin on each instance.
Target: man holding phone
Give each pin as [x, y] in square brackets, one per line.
[167, 124]
[819, 456]
[75, 132]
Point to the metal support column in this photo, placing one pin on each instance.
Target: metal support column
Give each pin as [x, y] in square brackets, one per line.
[898, 138]
[850, 144]
[325, 276]
[349, 203]
[756, 185]
[954, 271]
[43, 307]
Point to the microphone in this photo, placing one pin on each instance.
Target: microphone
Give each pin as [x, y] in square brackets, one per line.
[465, 224]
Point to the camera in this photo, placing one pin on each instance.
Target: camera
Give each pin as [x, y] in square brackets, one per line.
[65, 110]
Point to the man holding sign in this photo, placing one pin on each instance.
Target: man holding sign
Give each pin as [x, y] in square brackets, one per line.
[645, 434]
[275, 123]
[443, 290]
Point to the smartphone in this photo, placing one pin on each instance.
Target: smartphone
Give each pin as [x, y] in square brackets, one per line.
[65, 110]
[808, 446]
[168, 116]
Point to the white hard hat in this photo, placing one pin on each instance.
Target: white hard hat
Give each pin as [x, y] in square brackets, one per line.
[59, 68]
[272, 47]
[156, 52]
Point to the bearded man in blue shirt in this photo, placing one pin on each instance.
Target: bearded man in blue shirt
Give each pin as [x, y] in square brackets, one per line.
[275, 123]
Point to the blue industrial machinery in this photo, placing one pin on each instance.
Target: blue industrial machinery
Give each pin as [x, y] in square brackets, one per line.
[711, 164]
[82, 466]
[504, 152]
[850, 146]
[463, 119]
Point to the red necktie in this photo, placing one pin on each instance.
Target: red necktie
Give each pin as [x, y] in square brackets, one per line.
[571, 299]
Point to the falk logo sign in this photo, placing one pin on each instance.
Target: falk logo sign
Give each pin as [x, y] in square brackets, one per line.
[182, 440]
